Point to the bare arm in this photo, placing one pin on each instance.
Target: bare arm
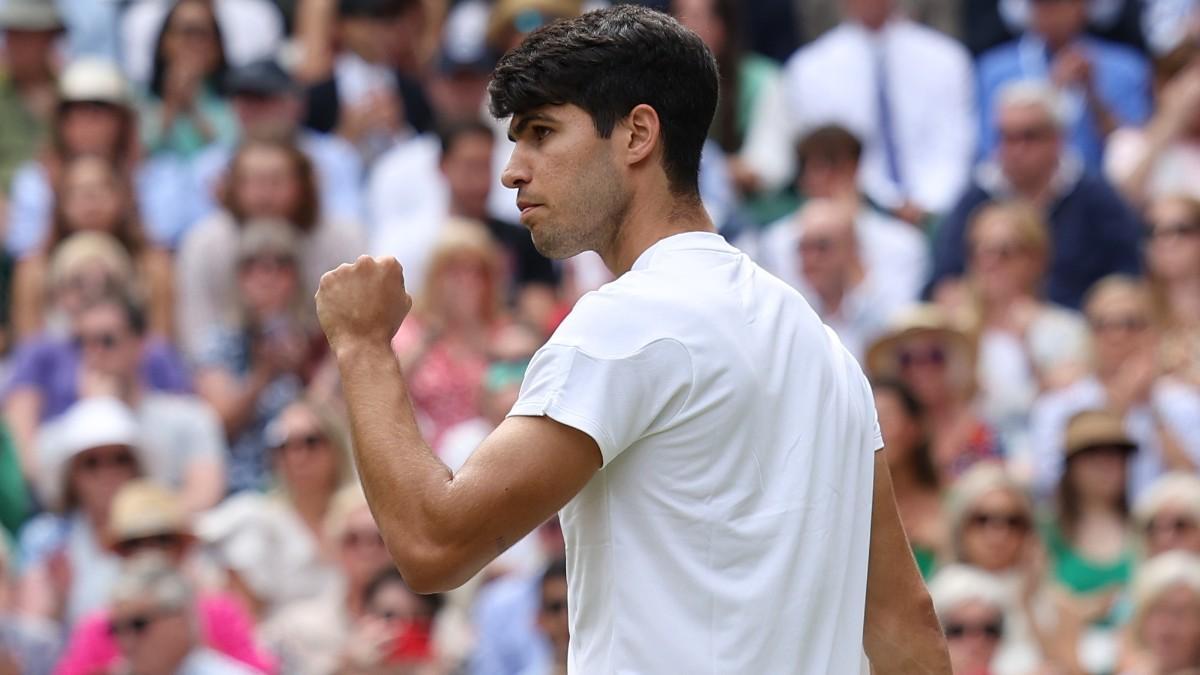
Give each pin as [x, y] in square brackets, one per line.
[440, 527]
[902, 634]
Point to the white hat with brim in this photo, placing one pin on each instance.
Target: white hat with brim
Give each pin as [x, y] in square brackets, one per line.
[29, 15]
[93, 80]
[89, 423]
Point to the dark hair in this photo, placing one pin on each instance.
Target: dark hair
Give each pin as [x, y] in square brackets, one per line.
[555, 569]
[923, 466]
[1167, 66]
[216, 79]
[306, 211]
[832, 143]
[391, 576]
[135, 316]
[129, 230]
[1069, 502]
[450, 134]
[374, 9]
[609, 61]
[726, 128]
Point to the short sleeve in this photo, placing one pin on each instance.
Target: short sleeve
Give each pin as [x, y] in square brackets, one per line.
[615, 400]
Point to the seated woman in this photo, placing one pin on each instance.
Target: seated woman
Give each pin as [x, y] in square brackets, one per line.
[267, 180]
[991, 522]
[915, 480]
[971, 605]
[1167, 516]
[395, 632]
[1173, 272]
[252, 368]
[1026, 344]
[449, 339]
[935, 359]
[1164, 635]
[94, 197]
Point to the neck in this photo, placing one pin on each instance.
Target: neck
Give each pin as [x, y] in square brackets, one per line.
[1183, 300]
[312, 506]
[1092, 506]
[647, 223]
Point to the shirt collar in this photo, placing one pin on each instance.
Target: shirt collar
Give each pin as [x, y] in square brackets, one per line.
[684, 241]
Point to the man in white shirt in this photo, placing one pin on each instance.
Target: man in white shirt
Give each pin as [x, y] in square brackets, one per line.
[906, 90]
[710, 443]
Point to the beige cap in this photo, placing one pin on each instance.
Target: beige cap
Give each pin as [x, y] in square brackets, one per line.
[143, 508]
[921, 319]
[29, 15]
[1094, 429]
[93, 80]
[276, 237]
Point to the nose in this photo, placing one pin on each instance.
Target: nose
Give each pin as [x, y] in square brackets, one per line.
[516, 173]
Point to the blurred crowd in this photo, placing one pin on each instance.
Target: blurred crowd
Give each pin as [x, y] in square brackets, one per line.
[994, 203]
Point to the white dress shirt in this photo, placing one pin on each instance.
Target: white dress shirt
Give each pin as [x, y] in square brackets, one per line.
[931, 94]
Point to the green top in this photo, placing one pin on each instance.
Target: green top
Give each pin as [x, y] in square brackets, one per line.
[755, 72]
[14, 497]
[21, 133]
[183, 138]
[1083, 576]
[926, 560]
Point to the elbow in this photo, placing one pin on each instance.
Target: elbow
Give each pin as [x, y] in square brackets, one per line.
[431, 568]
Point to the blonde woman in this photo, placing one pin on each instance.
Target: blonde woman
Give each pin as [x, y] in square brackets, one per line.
[1164, 636]
[1173, 270]
[1168, 515]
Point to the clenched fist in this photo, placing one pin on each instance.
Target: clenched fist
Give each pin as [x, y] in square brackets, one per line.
[363, 302]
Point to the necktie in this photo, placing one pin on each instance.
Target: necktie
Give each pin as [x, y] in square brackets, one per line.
[887, 133]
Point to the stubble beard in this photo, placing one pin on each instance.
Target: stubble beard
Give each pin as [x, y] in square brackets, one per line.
[591, 221]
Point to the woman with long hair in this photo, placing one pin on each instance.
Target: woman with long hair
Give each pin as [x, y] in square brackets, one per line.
[1173, 271]
[94, 196]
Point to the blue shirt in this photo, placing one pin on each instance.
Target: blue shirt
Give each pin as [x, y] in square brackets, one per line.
[1121, 76]
[506, 619]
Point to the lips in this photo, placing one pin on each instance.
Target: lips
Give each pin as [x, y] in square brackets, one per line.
[525, 207]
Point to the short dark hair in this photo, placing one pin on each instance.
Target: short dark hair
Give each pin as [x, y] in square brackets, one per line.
[555, 569]
[451, 133]
[609, 61]
[832, 143]
[126, 303]
[388, 576]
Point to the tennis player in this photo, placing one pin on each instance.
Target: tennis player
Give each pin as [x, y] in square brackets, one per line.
[711, 445]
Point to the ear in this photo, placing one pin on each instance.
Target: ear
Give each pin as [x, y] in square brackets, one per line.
[644, 133]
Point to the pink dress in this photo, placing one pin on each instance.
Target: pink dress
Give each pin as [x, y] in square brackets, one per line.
[226, 625]
[444, 384]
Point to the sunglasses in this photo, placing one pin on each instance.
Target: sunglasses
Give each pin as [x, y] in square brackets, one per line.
[157, 542]
[94, 461]
[815, 245]
[1173, 231]
[1127, 324]
[136, 625]
[104, 341]
[991, 630]
[1025, 136]
[310, 441]
[554, 606]
[269, 263]
[1177, 526]
[933, 356]
[1006, 250]
[1014, 522]
[362, 539]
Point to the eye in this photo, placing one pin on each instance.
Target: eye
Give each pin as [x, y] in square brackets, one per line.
[540, 132]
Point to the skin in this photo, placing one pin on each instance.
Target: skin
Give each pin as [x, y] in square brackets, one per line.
[553, 624]
[994, 548]
[829, 252]
[268, 116]
[1058, 21]
[266, 183]
[1163, 539]
[1171, 630]
[467, 167]
[164, 644]
[972, 653]
[1175, 258]
[442, 527]
[89, 129]
[1002, 265]
[1028, 163]
[91, 196]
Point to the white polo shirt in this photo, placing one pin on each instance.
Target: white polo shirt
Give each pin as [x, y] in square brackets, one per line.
[729, 527]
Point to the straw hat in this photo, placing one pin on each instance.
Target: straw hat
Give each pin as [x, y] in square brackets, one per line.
[506, 12]
[30, 15]
[268, 237]
[142, 509]
[922, 319]
[1096, 428]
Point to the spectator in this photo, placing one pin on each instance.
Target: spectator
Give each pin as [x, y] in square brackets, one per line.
[458, 87]
[446, 343]
[893, 252]
[1089, 539]
[15, 502]
[86, 455]
[311, 636]
[28, 89]
[1164, 635]
[250, 30]
[93, 196]
[1173, 268]
[971, 605]
[935, 359]
[1163, 157]
[146, 519]
[552, 619]
[990, 519]
[268, 179]
[1030, 164]
[155, 621]
[27, 646]
[95, 116]
[251, 370]
[270, 104]
[395, 633]
[1026, 345]
[1168, 515]
[904, 89]
[1102, 85]
[186, 111]
[1161, 413]
[915, 479]
[107, 353]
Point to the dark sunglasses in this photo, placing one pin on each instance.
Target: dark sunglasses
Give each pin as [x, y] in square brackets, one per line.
[361, 539]
[269, 263]
[1174, 230]
[1006, 250]
[934, 356]
[1128, 324]
[815, 245]
[94, 461]
[106, 340]
[1025, 136]
[134, 626]
[157, 542]
[1015, 522]
[554, 606]
[992, 630]
[1177, 525]
[309, 441]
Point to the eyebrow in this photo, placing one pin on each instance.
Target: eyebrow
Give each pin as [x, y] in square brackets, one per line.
[521, 121]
